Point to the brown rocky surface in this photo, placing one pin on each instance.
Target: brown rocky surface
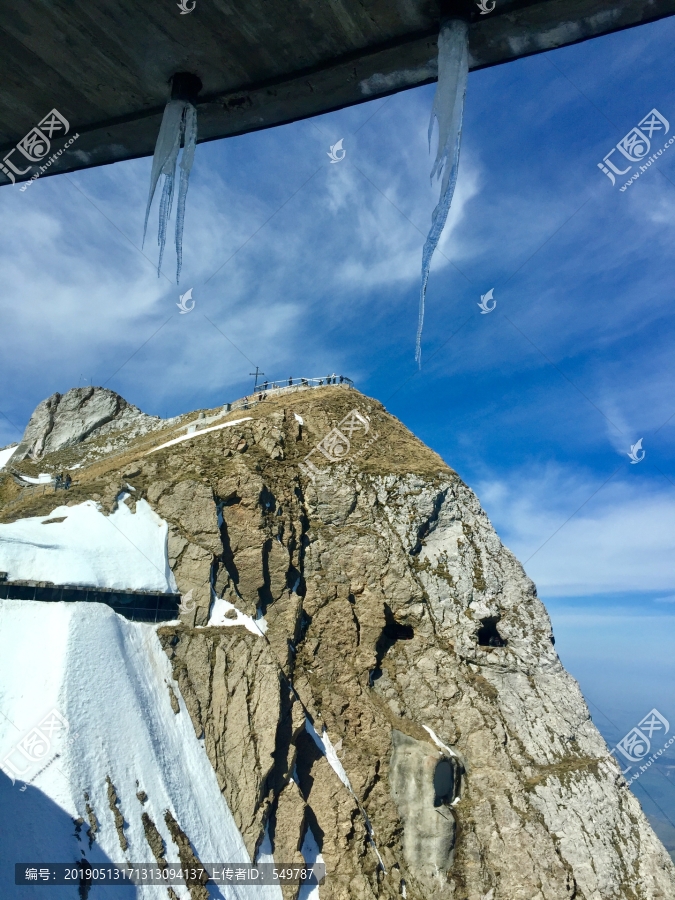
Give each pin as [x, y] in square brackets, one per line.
[465, 762]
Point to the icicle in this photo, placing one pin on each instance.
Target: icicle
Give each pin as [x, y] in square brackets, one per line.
[448, 108]
[166, 148]
[185, 166]
[165, 205]
[179, 126]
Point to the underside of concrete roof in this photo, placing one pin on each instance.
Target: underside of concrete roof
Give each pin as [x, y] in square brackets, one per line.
[107, 67]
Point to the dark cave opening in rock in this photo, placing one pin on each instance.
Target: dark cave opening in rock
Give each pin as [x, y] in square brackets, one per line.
[488, 636]
[444, 783]
[392, 632]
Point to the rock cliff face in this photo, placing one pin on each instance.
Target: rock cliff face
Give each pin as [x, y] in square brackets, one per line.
[396, 691]
[63, 420]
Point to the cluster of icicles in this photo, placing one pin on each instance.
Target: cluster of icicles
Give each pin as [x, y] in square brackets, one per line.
[179, 127]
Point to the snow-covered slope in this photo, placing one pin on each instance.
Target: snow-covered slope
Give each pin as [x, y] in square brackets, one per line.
[88, 548]
[108, 678]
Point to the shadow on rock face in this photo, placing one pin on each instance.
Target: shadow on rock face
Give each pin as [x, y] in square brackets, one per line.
[423, 785]
[392, 632]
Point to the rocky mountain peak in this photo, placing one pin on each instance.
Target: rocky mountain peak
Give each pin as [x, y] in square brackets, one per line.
[368, 669]
[82, 413]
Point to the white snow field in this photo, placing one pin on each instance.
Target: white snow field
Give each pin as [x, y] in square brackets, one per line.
[124, 550]
[107, 678]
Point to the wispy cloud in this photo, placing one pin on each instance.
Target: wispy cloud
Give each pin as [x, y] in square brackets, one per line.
[620, 541]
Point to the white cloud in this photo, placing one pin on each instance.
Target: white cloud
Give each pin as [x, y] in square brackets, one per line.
[381, 245]
[620, 540]
[84, 298]
[327, 279]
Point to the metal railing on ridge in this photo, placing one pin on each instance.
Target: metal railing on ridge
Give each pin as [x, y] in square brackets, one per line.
[266, 388]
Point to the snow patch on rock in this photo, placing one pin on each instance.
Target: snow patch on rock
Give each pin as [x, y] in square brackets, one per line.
[124, 550]
[6, 454]
[194, 434]
[42, 478]
[219, 617]
[312, 855]
[325, 746]
[441, 746]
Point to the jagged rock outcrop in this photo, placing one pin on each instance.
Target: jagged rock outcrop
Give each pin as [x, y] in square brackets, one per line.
[393, 611]
[230, 683]
[405, 702]
[63, 420]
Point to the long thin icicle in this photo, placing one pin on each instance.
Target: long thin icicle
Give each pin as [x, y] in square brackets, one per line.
[165, 205]
[179, 126]
[186, 161]
[448, 109]
[168, 143]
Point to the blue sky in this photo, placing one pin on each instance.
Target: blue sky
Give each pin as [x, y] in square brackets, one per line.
[309, 267]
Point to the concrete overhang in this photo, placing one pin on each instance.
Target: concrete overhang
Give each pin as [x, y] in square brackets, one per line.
[106, 65]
